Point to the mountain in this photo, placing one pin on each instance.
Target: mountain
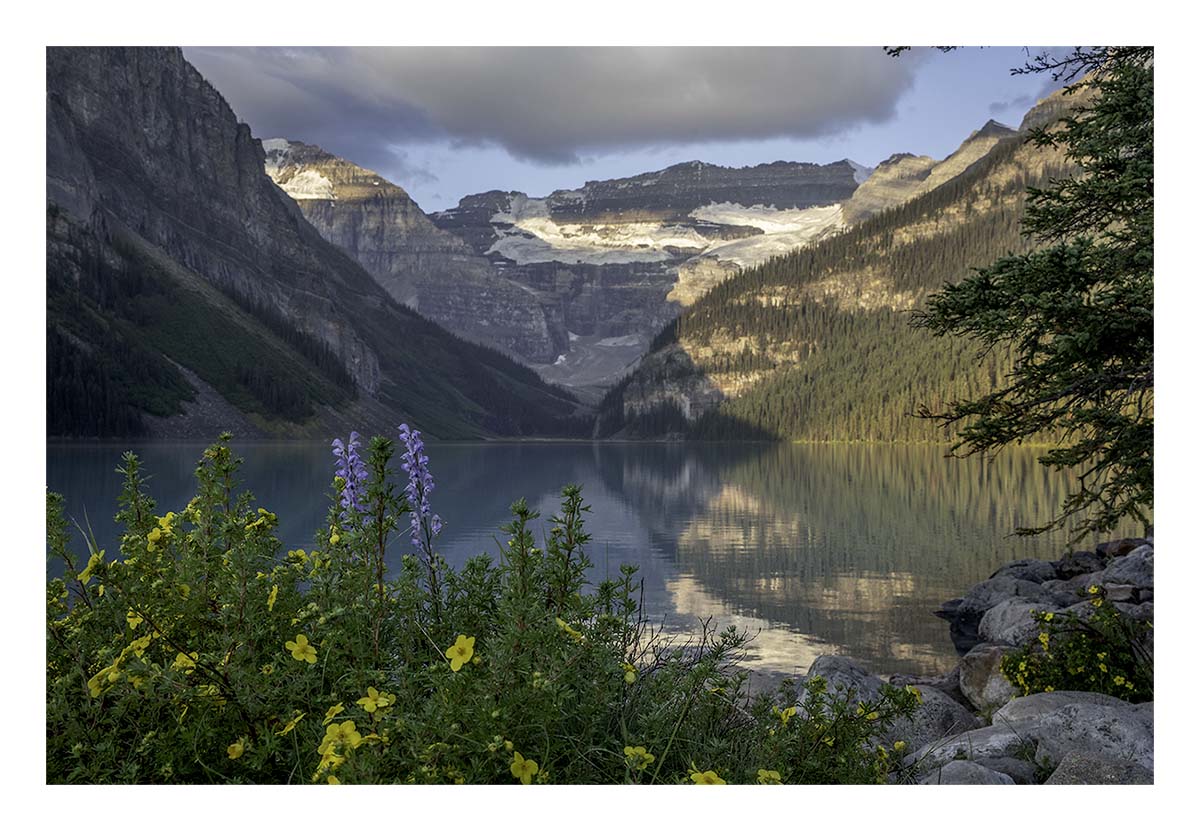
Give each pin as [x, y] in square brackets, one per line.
[420, 265]
[186, 292]
[816, 344]
[904, 176]
[617, 259]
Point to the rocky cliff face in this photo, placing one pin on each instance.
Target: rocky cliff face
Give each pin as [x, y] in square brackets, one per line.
[616, 259]
[420, 265]
[150, 177]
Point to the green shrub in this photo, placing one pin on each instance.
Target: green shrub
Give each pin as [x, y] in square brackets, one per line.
[1106, 653]
[205, 654]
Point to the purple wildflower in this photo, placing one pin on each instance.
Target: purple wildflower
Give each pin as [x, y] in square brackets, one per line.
[353, 471]
[425, 524]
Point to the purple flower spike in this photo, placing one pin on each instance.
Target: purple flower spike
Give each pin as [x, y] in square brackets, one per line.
[353, 471]
[425, 524]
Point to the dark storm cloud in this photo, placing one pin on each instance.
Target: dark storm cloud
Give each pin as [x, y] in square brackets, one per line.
[551, 104]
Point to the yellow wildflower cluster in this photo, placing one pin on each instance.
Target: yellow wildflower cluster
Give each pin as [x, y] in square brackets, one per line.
[272, 597]
[113, 673]
[156, 535]
[94, 562]
[374, 701]
[340, 739]
[769, 777]
[707, 777]
[265, 519]
[630, 672]
[638, 758]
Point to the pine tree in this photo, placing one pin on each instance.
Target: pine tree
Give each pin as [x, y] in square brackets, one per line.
[1077, 311]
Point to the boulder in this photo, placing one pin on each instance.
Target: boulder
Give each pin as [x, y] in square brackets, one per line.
[855, 680]
[961, 772]
[1035, 571]
[1062, 592]
[1077, 563]
[1135, 568]
[938, 716]
[1019, 770]
[1013, 621]
[1081, 768]
[980, 678]
[966, 613]
[1120, 592]
[947, 684]
[1061, 722]
[1119, 548]
[995, 742]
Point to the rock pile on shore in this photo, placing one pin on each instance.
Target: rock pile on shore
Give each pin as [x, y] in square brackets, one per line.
[973, 726]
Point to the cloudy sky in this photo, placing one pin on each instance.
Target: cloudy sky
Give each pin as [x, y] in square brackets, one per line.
[444, 122]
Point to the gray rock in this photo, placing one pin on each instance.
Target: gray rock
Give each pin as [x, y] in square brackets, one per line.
[1135, 568]
[961, 772]
[1035, 706]
[1077, 563]
[1120, 592]
[994, 742]
[980, 678]
[1119, 548]
[1081, 768]
[966, 613]
[1012, 621]
[1061, 722]
[938, 716]
[1019, 770]
[1035, 571]
[856, 681]
[1062, 592]
[947, 684]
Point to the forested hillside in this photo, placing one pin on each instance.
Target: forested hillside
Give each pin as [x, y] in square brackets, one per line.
[816, 345]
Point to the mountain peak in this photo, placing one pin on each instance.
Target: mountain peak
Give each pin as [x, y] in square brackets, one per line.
[993, 128]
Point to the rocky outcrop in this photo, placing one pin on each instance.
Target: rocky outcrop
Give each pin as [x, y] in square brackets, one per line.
[1001, 737]
[420, 265]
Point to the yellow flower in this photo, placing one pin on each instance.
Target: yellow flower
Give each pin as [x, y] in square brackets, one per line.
[271, 598]
[267, 669]
[236, 749]
[1103, 668]
[94, 562]
[331, 712]
[333, 780]
[1049, 616]
[185, 662]
[630, 673]
[637, 757]
[460, 652]
[1119, 680]
[374, 699]
[155, 535]
[1093, 589]
[334, 537]
[1048, 689]
[341, 733]
[523, 768]
[707, 777]
[769, 777]
[291, 725]
[899, 746]
[301, 649]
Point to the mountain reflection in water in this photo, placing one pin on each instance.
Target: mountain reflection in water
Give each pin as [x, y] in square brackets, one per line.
[816, 548]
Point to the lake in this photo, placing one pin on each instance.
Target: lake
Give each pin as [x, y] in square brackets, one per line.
[816, 548]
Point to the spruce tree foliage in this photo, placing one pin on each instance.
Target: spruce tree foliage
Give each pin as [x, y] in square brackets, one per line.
[1077, 311]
